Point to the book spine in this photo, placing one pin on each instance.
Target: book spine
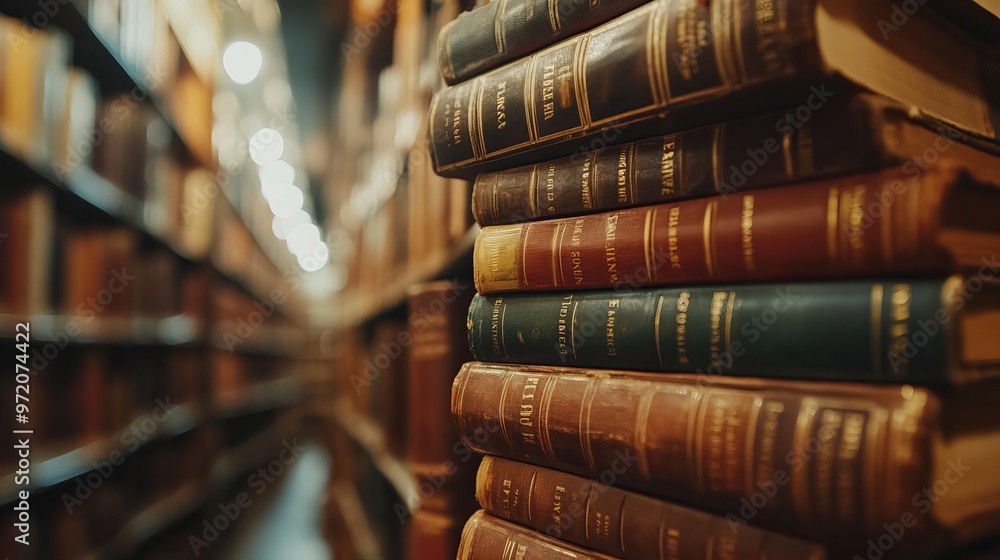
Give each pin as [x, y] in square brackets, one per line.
[487, 538]
[620, 523]
[880, 223]
[823, 461]
[720, 159]
[767, 330]
[438, 347]
[673, 52]
[502, 31]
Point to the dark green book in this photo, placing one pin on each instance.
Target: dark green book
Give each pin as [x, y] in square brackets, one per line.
[925, 331]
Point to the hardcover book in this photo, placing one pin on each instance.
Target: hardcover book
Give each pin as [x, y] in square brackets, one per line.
[636, 75]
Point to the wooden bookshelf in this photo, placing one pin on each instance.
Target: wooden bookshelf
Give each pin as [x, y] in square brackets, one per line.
[169, 344]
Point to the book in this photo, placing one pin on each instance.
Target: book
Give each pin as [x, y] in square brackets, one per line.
[620, 523]
[637, 76]
[919, 330]
[891, 222]
[864, 133]
[487, 538]
[27, 250]
[837, 463]
[500, 32]
[438, 346]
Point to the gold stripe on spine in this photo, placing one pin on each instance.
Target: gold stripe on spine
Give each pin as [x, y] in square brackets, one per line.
[592, 183]
[698, 481]
[717, 158]
[751, 446]
[633, 173]
[659, 62]
[503, 338]
[531, 491]
[499, 29]
[554, 16]
[532, 190]
[580, 80]
[460, 405]
[529, 102]
[737, 41]
[876, 329]
[543, 418]
[475, 121]
[652, 55]
[652, 267]
[556, 261]
[950, 290]
[586, 512]
[656, 331]
[832, 231]
[572, 329]
[707, 237]
[800, 483]
[788, 154]
[621, 526]
[647, 241]
[692, 444]
[584, 425]
[641, 429]
[500, 405]
[729, 324]
[524, 254]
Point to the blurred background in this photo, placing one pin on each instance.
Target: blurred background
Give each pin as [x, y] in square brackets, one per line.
[210, 214]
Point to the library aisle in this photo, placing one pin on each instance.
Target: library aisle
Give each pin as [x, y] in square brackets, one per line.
[499, 279]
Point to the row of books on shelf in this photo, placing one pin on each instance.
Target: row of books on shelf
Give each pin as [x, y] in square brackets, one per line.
[736, 279]
[403, 218]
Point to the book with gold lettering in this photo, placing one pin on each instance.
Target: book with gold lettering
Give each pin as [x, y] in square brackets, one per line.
[858, 133]
[836, 463]
[671, 65]
[597, 514]
[888, 223]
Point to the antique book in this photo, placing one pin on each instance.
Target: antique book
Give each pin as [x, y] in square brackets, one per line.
[27, 250]
[920, 330]
[891, 222]
[487, 538]
[836, 463]
[623, 524]
[636, 75]
[500, 32]
[438, 346]
[863, 133]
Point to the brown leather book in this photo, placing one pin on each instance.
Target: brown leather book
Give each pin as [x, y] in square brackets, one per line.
[890, 222]
[860, 133]
[838, 463]
[639, 74]
[623, 524]
[27, 251]
[487, 538]
[439, 345]
[387, 358]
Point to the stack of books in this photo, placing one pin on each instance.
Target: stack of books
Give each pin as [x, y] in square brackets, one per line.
[736, 278]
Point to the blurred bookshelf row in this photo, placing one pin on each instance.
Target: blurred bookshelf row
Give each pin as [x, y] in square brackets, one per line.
[162, 319]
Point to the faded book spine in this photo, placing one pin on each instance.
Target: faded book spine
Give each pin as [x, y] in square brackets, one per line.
[823, 461]
[857, 331]
[487, 538]
[499, 32]
[641, 64]
[720, 159]
[882, 223]
[620, 523]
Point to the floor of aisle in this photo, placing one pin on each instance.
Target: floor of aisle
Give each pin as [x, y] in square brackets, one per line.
[290, 528]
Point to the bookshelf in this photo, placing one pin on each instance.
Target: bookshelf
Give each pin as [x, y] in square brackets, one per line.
[402, 226]
[151, 406]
